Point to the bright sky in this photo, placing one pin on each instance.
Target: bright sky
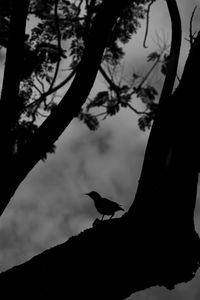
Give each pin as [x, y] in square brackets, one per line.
[50, 205]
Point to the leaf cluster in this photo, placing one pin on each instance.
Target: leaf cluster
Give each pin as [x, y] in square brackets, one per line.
[123, 95]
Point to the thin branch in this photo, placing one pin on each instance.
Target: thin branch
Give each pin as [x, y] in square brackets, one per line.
[147, 23]
[101, 114]
[150, 71]
[107, 78]
[42, 115]
[50, 17]
[35, 86]
[137, 111]
[178, 78]
[79, 7]
[40, 82]
[62, 83]
[191, 36]
[53, 90]
[116, 89]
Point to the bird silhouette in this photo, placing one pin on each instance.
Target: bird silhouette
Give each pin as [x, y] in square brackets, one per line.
[104, 206]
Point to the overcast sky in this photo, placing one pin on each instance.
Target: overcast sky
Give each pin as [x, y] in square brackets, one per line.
[50, 204]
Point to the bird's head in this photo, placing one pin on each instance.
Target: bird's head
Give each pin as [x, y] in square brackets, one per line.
[94, 195]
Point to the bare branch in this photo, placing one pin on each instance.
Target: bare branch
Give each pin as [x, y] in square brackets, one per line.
[192, 35]
[35, 86]
[40, 82]
[137, 111]
[147, 23]
[150, 70]
[107, 78]
[101, 114]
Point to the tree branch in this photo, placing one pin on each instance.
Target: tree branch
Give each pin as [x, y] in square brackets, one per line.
[97, 263]
[191, 35]
[147, 23]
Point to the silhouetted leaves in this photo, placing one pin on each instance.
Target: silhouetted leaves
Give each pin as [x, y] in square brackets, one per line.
[43, 52]
[144, 122]
[112, 107]
[164, 64]
[153, 56]
[90, 120]
[147, 94]
[100, 99]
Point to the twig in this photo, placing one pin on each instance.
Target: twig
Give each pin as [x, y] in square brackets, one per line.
[191, 36]
[40, 82]
[53, 90]
[35, 86]
[150, 70]
[147, 24]
[178, 78]
[137, 111]
[100, 114]
[107, 78]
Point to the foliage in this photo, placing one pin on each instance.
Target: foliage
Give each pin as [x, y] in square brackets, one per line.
[60, 32]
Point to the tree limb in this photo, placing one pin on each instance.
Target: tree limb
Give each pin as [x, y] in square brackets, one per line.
[112, 260]
[147, 23]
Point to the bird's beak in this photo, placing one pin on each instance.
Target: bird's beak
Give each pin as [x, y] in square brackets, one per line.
[87, 194]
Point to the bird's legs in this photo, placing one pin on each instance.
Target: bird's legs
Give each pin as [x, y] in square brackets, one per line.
[111, 216]
[102, 218]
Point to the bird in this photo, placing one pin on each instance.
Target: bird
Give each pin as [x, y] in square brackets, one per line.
[104, 206]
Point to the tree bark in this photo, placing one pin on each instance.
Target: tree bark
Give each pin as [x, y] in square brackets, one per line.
[112, 260]
[168, 182]
[171, 172]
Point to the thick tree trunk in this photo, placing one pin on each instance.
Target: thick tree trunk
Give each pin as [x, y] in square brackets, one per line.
[171, 165]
